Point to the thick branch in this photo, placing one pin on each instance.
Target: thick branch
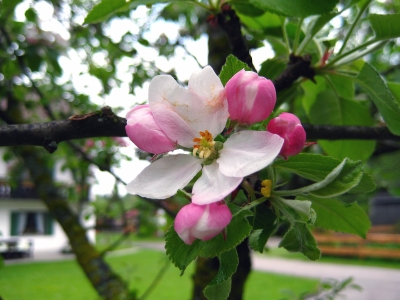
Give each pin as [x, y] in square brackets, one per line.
[331, 132]
[230, 23]
[97, 124]
[105, 123]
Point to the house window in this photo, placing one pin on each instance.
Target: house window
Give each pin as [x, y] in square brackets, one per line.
[31, 223]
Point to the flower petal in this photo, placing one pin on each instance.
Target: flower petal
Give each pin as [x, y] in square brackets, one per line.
[171, 109]
[164, 177]
[213, 186]
[182, 113]
[213, 111]
[246, 152]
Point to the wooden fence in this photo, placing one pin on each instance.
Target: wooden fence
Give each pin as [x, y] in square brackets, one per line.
[382, 242]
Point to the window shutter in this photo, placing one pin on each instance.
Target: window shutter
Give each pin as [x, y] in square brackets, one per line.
[14, 223]
[48, 224]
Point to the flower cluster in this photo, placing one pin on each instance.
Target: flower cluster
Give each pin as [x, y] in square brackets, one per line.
[190, 119]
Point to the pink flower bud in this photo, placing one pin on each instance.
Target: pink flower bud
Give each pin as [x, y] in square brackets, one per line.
[144, 131]
[288, 126]
[251, 98]
[201, 221]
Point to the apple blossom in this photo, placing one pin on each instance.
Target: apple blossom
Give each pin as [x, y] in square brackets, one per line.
[288, 126]
[251, 98]
[201, 221]
[192, 117]
[144, 131]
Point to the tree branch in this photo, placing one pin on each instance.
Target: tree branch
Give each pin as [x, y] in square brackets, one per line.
[97, 124]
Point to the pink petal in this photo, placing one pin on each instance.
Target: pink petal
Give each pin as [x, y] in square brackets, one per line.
[247, 152]
[213, 186]
[186, 219]
[164, 177]
[215, 218]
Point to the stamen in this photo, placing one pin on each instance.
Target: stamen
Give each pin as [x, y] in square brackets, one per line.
[266, 189]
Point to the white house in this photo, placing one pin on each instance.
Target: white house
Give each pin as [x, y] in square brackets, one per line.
[24, 219]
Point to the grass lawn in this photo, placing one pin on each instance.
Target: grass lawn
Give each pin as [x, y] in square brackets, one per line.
[370, 262]
[64, 280]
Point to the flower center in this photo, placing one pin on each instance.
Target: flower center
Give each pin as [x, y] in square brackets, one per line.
[204, 145]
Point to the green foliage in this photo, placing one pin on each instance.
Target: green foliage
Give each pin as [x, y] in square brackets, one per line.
[295, 8]
[335, 215]
[378, 92]
[264, 225]
[385, 26]
[299, 239]
[103, 10]
[220, 286]
[231, 67]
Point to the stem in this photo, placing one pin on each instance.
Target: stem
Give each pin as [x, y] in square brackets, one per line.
[349, 33]
[249, 189]
[337, 58]
[297, 36]
[252, 204]
[285, 36]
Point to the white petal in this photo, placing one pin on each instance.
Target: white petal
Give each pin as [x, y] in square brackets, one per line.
[210, 93]
[164, 177]
[171, 109]
[213, 186]
[247, 152]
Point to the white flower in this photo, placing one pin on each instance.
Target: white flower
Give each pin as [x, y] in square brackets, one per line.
[192, 117]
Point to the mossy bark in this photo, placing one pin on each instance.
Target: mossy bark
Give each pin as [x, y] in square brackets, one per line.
[108, 284]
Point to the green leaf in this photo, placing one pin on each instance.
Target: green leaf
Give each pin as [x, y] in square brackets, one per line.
[106, 8]
[231, 67]
[385, 169]
[263, 225]
[343, 86]
[316, 167]
[376, 88]
[296, 8]
[318, 185]
[228, 262]
[245, 8]
[329, 109]
[299, 210]
[335, 215]
[179, 253]
[220, 291]
[394, 88]
[348, 178]
[272, 68]
[299, 239]
[385, 26]
[220, 286]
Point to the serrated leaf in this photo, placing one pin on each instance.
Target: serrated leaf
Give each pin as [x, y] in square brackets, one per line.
[228, 263]
[231, 67]
[218, 292]
[179, 253]
[375, 87]
[300, 210]
[335, 215]
[394, 88]
[246, 8]
[318, 185]
[296, 8]
[348, 178]
[316, 167]
[385, 26]
[299, 239]
[263, 225]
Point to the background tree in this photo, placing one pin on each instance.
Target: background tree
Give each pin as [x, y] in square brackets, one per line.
[321, 66]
